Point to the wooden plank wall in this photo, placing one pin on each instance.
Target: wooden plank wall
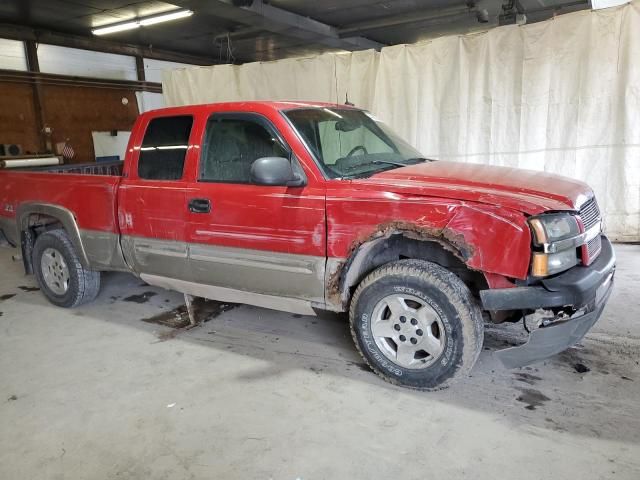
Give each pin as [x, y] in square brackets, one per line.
[72, 112]
[18, 117]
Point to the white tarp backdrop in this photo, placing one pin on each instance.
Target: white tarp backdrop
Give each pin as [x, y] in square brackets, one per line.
[325, 77]
[561, 96]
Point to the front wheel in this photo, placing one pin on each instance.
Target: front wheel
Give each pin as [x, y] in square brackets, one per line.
[416, 324]
[61, 276]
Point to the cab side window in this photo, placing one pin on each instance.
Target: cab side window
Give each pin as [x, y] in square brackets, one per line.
[164, 148]
[231, 145]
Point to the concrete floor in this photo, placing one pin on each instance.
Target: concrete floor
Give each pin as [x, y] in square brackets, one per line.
[256, 394]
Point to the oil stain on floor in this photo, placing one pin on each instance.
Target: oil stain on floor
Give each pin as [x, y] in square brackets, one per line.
[533, 398]
[140, 298]
[581, 368]
[527, 378]
[178, 318]
[29, 289]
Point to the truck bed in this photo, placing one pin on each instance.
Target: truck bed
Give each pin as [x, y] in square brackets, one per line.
[88, 191]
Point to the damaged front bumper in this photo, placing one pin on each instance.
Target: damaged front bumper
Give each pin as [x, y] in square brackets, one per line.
[583, 289]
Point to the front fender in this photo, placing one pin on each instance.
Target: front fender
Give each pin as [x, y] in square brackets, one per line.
[500, 239]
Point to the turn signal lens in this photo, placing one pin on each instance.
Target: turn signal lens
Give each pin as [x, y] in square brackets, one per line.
[540, 265]
[543, 264]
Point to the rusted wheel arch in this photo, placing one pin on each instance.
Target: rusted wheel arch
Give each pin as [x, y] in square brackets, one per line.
[392, 246]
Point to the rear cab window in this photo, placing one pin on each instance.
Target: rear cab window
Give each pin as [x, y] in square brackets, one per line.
[164, 148]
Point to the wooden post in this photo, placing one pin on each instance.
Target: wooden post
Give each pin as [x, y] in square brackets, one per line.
[140, 68]
[33, 65]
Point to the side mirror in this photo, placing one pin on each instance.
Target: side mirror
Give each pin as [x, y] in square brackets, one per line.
[275, 171]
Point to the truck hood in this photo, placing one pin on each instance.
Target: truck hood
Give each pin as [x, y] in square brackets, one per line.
[527, 191]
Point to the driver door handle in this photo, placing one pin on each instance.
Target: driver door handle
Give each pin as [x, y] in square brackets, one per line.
[199, 205]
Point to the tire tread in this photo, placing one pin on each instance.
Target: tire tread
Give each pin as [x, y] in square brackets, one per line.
[88, 280]
[457, 292]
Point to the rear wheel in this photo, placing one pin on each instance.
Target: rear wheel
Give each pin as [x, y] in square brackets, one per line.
[416, 324]
[60, 275]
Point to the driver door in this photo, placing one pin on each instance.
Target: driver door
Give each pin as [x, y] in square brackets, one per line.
[261, 239]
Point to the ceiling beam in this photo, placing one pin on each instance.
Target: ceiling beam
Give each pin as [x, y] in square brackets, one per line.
[258, 15]
[558, 7]
[442, 14]
[243, 33]
[16, 76]
[20, 32]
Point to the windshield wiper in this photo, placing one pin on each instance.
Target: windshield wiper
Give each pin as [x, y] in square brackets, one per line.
[372, 171]
[413, 161]
[405, 163]
[377, 162]
[419, 159]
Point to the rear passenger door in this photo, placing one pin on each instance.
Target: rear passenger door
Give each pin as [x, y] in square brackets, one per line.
[152, 199]
[255, 238]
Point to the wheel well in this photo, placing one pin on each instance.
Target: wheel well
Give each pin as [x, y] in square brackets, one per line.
[398, 246]
[34, 225]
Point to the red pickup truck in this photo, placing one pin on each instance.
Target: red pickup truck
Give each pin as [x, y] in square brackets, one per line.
[304, 206]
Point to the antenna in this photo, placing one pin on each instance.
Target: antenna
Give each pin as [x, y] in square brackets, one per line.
[346, 100]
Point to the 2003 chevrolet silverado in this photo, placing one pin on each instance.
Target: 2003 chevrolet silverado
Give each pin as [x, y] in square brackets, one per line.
[305, 206]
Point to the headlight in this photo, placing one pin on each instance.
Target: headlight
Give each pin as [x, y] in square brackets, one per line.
[554, 227]
[552, 232]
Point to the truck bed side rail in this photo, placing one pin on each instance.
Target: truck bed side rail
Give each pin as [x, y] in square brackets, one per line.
[101, 168]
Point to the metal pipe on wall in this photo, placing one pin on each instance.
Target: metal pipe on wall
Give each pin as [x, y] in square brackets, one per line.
[30, 162]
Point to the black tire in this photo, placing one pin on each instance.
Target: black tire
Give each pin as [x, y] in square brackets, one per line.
[442, 291]
[83, 284]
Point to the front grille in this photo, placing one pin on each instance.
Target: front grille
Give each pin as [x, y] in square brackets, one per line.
[590, 215]
[593, 248]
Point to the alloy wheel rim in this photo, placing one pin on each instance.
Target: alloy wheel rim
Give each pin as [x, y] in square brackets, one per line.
[55, 271]
[408, 331]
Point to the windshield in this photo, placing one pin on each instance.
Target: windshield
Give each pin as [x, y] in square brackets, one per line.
[351, 143]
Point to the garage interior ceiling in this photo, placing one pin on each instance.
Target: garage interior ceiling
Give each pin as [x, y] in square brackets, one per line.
[237, 31]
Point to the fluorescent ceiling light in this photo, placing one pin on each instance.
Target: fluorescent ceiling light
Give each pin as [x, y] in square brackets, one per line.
[115, 28]
[165, 17]
[142, 22]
